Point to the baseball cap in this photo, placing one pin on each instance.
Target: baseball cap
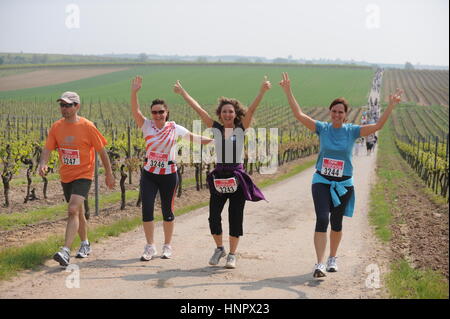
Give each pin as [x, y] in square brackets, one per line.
[69, 97]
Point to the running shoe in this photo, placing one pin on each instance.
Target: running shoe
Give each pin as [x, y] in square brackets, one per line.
[231, 261]
[84, 251]
[331, 264]
[218, 253]
[166, 252]
[149, 253]
[319, 271]
[63, 257]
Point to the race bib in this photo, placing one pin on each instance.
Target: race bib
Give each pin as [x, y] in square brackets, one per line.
[70, 157]
[156, 159]
[226, 185]
[332, 167]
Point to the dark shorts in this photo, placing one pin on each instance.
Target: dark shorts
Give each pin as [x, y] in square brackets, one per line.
[78, 187]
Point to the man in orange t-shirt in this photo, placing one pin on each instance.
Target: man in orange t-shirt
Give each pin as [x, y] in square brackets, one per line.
[76, 140]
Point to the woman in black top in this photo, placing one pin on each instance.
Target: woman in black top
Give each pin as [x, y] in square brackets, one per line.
[228, 180]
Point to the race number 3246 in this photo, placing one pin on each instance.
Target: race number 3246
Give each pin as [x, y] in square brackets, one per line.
[158, 159]
[70, 157]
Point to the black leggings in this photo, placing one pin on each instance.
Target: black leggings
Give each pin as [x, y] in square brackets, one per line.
[235, 212]
[150, 184]
[325, 210]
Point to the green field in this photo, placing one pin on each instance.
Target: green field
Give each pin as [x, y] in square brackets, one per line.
[312, 85]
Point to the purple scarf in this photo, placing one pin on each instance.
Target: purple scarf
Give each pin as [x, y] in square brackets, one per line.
[251, 192]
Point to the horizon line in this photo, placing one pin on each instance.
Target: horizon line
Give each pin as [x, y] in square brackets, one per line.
[232, 55]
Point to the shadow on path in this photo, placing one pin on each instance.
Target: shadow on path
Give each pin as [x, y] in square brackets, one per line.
[163, 278]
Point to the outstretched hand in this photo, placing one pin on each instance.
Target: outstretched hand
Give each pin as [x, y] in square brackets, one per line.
[177, 88]
[266, 85]
[109, 181]
[285, 82]
[395, 98]
[43, 170]
[136, 84]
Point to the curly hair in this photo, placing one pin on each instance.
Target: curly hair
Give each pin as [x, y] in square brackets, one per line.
[239, 108]
[163, 103]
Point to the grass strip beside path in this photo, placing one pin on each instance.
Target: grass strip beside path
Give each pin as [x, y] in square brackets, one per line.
[405, 282]
[20, 219]
[383, 193]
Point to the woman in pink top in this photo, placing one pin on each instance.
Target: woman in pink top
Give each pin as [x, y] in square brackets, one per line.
[160, 170]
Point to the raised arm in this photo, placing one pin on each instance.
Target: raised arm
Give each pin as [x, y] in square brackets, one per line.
[394, 99]
[247, 120]
[197, 138]
[302, 117]
[178, 89]
[136, 85]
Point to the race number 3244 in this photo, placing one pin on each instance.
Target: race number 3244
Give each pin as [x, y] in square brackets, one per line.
[332, 167]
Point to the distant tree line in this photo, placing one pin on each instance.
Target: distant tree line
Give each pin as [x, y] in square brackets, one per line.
[30, 58]
[409, 66]
[23, 59]
[20, 58]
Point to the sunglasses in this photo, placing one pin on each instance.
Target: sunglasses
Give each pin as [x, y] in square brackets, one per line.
[158, 112]
[66, 105]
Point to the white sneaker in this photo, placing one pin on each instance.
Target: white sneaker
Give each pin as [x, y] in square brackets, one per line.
[63, 257]
[166, 252]
[231, 261]
[149, 252]
[218, 253]
[319, 271]
[84, 251]
[331, 264]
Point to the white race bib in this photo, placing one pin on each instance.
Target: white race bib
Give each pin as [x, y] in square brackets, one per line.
[226, 185]
[156, 159]
[332, 167]
[70, 157]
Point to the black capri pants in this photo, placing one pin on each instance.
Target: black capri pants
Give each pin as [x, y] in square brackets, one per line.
[167, 186]
[325, 211]
[235, 212]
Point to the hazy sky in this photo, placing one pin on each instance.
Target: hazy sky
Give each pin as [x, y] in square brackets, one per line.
[377, 31]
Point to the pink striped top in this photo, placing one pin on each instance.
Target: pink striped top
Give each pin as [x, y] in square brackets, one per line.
[160, 146]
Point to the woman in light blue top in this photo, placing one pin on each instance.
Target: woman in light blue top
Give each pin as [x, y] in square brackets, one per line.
[332, 187]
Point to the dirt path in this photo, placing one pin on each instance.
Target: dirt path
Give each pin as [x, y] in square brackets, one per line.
[52, 76]
[275, 260]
